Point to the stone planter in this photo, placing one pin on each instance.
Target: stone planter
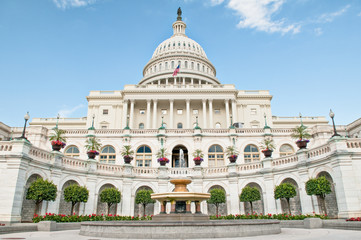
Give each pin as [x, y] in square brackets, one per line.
[302, 144]
[127, 159]
[267, 153]
[197, 162]
[162, 163]
[56, 147]
[232, 159]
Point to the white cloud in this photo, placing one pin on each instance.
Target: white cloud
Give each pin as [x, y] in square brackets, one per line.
[216, 2]
[329, 17]
[318, 31]
[66, 112]
[63, 4]
[257, 14]
[359, 14]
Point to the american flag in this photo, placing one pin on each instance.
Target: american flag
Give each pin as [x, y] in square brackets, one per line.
[176, 71]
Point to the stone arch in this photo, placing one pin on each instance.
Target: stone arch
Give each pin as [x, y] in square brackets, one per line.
[176, 156]
[295, 203]
[102, 207]
[28, 206]
[65, 207]
[330, 199]
[138, 208]
[258, 206]
[222, 209]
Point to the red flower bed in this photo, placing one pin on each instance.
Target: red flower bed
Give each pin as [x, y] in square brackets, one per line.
[59, 143]
[358, 219]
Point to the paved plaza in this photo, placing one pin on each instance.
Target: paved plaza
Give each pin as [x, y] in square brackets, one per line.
[287, 234]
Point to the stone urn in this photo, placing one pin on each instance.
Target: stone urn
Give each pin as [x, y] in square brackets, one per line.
[267, 152]
[162, 163]
[56, 147]
[302, 144]
[91, 154]
[127, 159]
[232, 158]
[197, 161]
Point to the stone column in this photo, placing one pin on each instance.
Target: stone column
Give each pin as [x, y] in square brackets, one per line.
[148, 114]
[198, 207]
[234, 111]
[184, 81]
[188, 206]
[166, 81]
[172, 207]
[126, 197]
[125, 113]
[163, 206]
[210, 102]
[171, 102]
[204, 102]
[90, 205]
[226, 103]
[233, 196]
[131, 121]
[188, 113]
[155, 113]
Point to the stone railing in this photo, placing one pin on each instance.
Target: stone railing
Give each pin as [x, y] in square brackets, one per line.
[40, 154]
[319, 151]
[215, 170]
[354, 144]
[6, 146]
[179, 131]
[143, 171]
[144, 131]
[250, 130]
[285, 160]
[76, 132]
[109, 168]
[74, 163]
[215, 131]
[180, 171]
[249, 166]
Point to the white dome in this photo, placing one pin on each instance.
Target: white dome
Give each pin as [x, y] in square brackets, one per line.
[179, 50]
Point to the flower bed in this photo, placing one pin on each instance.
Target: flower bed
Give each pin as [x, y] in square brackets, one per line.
[267, 216]
[358, 219]
[59, 143]
[83, 218]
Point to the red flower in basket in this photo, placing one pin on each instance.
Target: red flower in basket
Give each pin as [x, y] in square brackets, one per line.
[58, 143]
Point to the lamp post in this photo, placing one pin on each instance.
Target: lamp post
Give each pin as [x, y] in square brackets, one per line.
[26, 117]
[332, 115]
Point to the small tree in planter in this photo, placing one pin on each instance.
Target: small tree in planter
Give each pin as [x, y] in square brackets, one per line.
[93, 145]
[143, 197]
[75, 194]
[162, 156]
[41, 190]
[250, 194]
[110, 196]
[127, 153]
[232, 153]
[286, 191]
[319, 187]
[198, 157]
[267, 146]
[58, 140]
[302, 135]
[218, 196]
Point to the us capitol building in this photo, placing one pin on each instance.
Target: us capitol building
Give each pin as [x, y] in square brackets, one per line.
[192, 110]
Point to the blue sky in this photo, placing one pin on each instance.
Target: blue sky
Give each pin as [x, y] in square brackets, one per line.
[306, 52]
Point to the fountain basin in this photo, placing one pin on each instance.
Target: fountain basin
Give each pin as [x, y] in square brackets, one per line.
[180, 196]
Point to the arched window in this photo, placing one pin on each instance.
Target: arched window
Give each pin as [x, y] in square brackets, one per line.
[72, 151]
[141, 125]
[192, 65]
[185, 64]
[107, 155]
[215, 156]
[160, 67]
[143, 158]
[198, 67]
[172, 64]
[218, 125]
[179, 125]
[251, 153]
[166, 65]
[285, 150]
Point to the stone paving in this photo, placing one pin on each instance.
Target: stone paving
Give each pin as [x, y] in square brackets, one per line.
[287, 234]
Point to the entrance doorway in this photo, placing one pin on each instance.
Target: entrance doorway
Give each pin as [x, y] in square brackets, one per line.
[179, 157]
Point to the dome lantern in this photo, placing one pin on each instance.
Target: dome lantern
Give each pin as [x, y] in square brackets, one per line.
[179, 27]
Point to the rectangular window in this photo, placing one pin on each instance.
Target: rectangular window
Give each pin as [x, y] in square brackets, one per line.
[105, 111]
[217, 111]
[179, 111]
[253, 111]
[164, 111]
[104, 127]
[141, 111]
[254, 126]
[195, 111]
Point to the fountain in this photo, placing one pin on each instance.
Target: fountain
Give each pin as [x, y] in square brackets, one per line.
[180, 200]
[180, 223]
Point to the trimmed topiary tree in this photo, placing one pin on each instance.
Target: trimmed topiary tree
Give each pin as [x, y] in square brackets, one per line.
[218, 196]
[75, 194]
[286, 191]
[319, 187]
[110, 196]
[143, 197]
[250, 194]
[41, 190]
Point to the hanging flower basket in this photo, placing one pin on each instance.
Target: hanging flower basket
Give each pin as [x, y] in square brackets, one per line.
[198, 161]
[127, 159]
[92, 154]
[267, 152]
[57, 145]
[302, 143]
[232, 158]
[163, 161]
